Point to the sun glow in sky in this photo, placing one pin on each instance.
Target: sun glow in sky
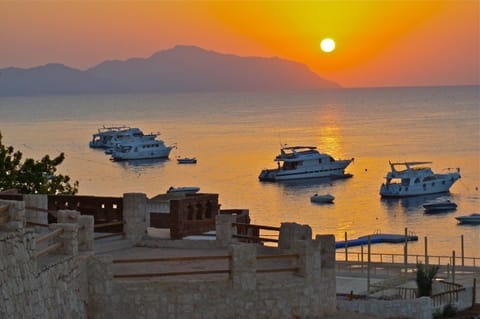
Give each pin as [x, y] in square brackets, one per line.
[327, 45]
[379, 43]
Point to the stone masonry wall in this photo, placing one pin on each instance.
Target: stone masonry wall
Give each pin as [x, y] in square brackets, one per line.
[209, 300]
[308, 293]
[29, 290]
[420, 308]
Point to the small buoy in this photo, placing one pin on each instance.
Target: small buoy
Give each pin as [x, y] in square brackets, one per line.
[366, 169]
[476, 188]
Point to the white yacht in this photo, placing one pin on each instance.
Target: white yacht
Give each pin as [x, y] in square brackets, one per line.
[301, 162]
[416, 180]
[141, 149]
[107, 137]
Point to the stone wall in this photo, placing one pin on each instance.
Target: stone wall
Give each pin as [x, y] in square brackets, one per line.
[65, 284]
[420, 308]
[34, 288]
[307, 293]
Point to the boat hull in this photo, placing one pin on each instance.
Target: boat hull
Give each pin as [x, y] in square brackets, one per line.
[186, 161]
[336, 170]
[183, 190]
[439, 208]
[322, 199]
[439, 186]
[471, 219]
[119, 156]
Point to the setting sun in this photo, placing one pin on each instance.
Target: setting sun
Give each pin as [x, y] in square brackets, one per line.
[327, 45]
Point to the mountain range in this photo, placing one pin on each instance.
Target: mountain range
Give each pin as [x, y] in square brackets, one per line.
[182, 68]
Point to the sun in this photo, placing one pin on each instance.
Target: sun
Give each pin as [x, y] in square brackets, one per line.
[327, 45]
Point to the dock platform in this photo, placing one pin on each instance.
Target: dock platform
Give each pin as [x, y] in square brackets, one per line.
[376, 239]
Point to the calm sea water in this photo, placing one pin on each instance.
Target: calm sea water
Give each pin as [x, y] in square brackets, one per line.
[235, 135]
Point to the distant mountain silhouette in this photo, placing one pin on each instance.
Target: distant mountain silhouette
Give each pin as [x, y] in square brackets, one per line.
[182, 68]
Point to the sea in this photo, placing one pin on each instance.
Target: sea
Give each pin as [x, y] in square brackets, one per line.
[234, 135]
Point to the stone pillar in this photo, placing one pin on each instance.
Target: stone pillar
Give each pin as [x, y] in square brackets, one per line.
[69, 238]
[85, 226]
[291, 232]
[100, 287]
[14, 213]
[243, 266]
[224, 229]
[305, 258]
[324, 278]
[327, 251]
[68, 216]
[36, 201]
[85, 232]
[134, 215]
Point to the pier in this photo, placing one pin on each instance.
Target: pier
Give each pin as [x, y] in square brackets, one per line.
[376, 239]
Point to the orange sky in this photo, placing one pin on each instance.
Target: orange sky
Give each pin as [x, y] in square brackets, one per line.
[379, 43]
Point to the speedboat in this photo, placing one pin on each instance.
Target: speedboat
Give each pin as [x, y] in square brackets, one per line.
[106, 135]
[186, 160]
[326, 198]
[469, 219]
[141, 149]
[301, 162]
[416, 180]
[436, 207]
[183, 190]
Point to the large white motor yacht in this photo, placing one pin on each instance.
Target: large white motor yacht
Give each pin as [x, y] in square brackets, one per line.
[416, 180]
[141, 149]
[108, 137]
[301, 162]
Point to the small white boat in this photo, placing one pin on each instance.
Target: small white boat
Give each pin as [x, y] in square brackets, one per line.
[141, 149]
[469, 219]
[187, 160]
[183, 190]
[414, 180]
[435, 207]
[301, 162]
[326, 198]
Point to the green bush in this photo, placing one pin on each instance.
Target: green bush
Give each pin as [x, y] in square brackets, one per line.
[425, 275]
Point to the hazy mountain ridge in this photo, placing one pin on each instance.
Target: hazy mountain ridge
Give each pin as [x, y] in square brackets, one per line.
[182, 68]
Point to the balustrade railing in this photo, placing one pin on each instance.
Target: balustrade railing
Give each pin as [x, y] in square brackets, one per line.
[199, 259]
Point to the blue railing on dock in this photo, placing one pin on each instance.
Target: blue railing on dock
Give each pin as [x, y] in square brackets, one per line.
[376, 239]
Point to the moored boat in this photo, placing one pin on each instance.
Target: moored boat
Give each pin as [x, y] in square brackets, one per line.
[469, 219]
[325, 198]
[107, 135]
[183, 190]
[302, 162]
[442, 206]
[416, 180]
[141, 149]
[186, 160]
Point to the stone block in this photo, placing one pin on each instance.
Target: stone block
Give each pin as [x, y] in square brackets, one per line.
[291, 232]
